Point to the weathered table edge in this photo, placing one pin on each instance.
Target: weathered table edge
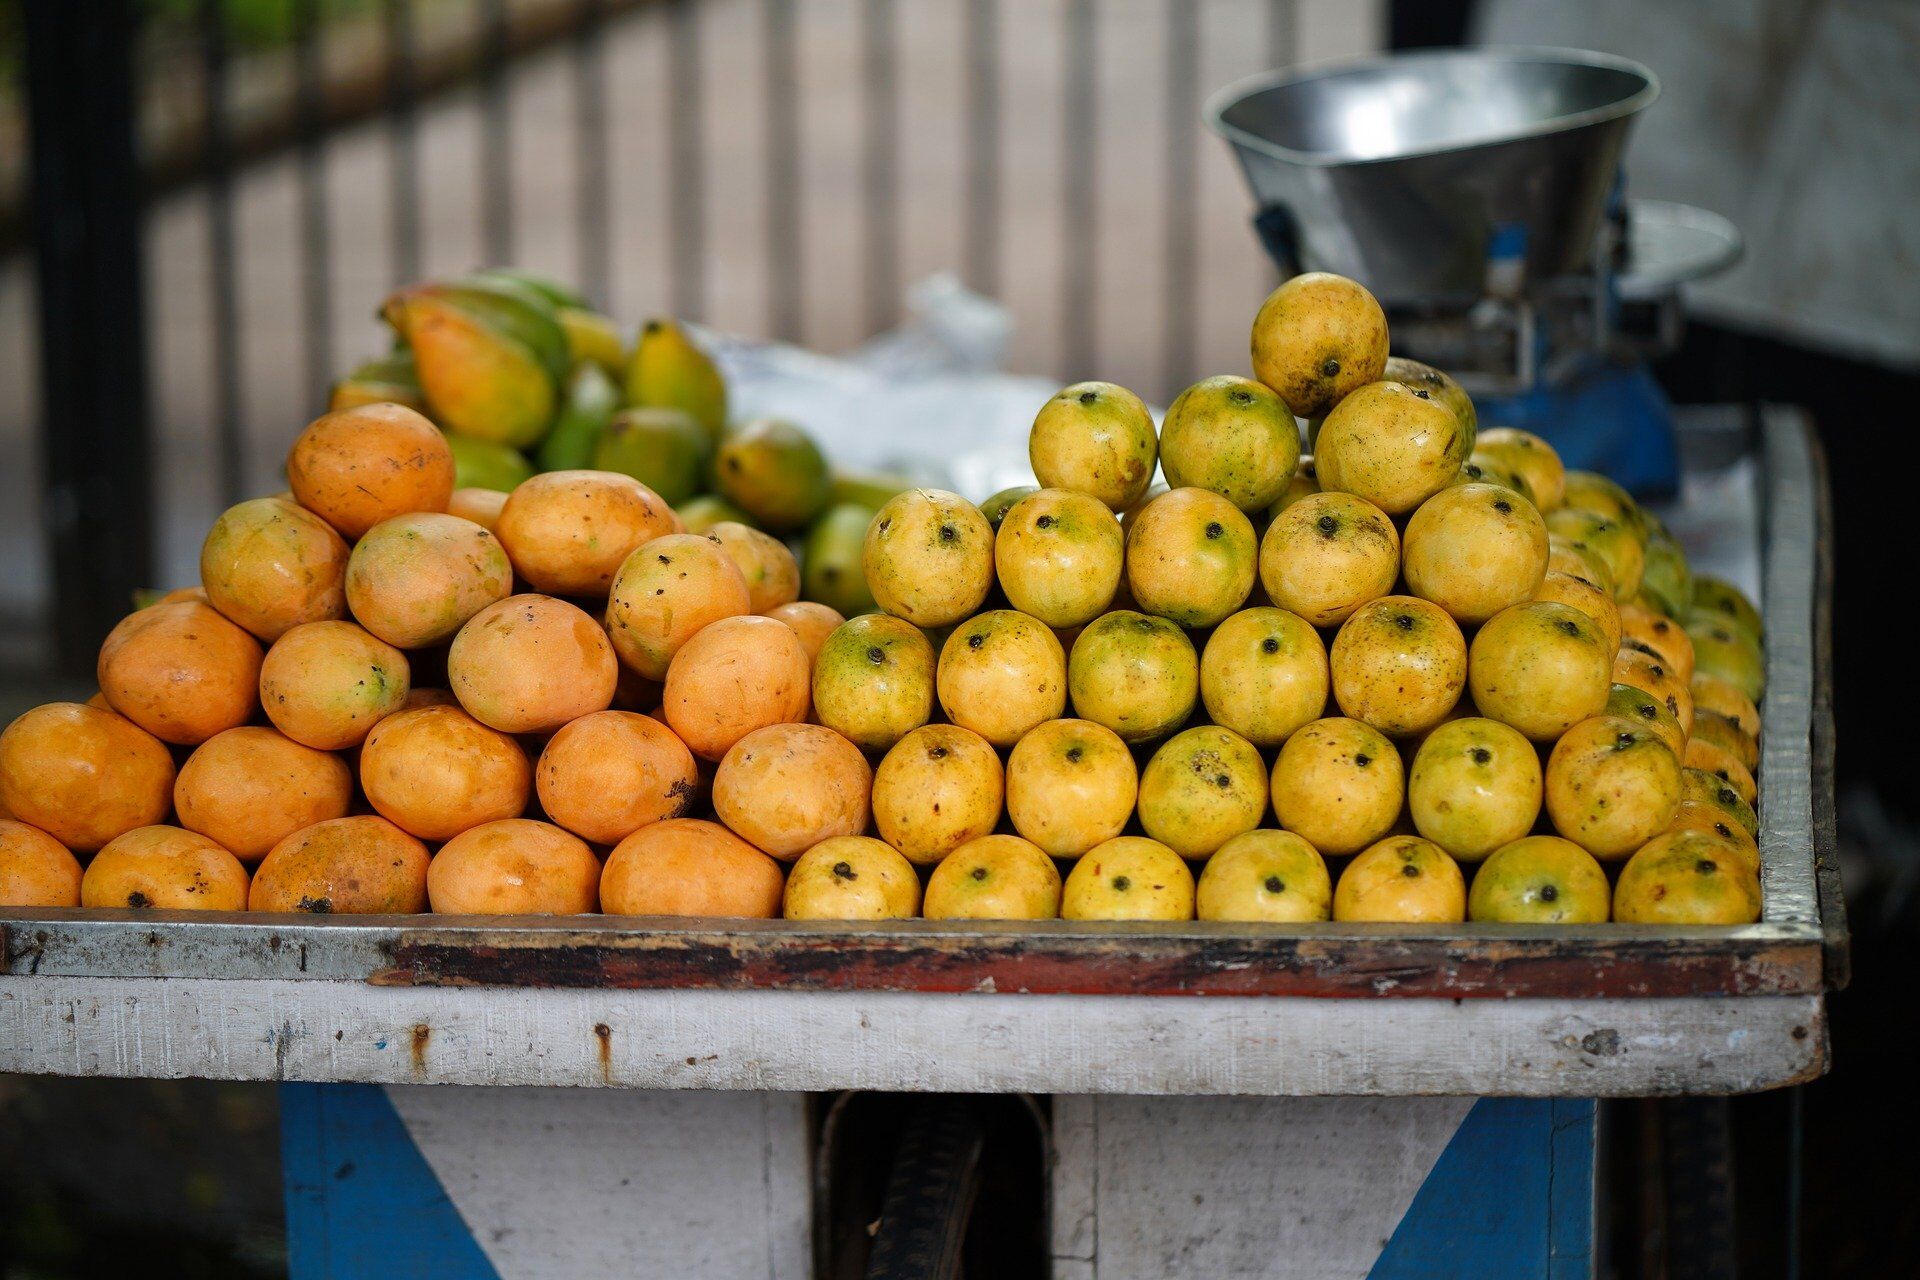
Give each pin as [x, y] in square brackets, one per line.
[1799, 948]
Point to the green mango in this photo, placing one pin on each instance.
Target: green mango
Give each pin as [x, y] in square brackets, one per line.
[388, 379]
[482, 464]
[556, 294]
[522, 312]
[868, 488]
[995, 508]
[1666, 581]
[592, 336]
[774, 471]
[831, 568]
[479, 378]
[701, 513]
[591, 400]
[664, 449]
[668, 371]
[1720, 599]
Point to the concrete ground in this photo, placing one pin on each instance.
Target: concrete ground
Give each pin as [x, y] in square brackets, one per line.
[1124, 335]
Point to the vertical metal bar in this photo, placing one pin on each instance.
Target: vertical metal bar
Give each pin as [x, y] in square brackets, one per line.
[1079, 332]
[86, 205]
[882, 164]
[496, 140]
[403, 139]
[316, 256]
[783, 171]
[686, 165]
[981, 253]
[1281, 36]
[230, 449]
[592, 194]
[1181, 190]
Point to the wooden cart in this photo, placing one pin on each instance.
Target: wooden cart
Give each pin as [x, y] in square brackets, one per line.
[1103, 1017]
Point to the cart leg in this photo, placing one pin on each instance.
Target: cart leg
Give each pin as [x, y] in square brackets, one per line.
[472, 1184]
[1370, 1189]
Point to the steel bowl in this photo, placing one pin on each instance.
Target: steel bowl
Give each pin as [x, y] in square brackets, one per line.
[1411, 172]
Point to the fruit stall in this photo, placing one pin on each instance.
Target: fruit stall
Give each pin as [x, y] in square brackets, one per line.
[1334, 821]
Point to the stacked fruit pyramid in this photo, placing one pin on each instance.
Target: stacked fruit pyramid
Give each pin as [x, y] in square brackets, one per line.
[1431, 651]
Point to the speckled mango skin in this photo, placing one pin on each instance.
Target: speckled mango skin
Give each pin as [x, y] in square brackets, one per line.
[1326, 555]
[1203, 787]
[1440, 386]
[327, 684]
[1687, 877]
[1576, 559]
[1059, 556]
[787, 787]
[1474, 549]
[1540, 880]
[1635, 666]
[435, 771]
[1586, 597]
[1305, 482]
[1723, 794]
[416, 579]
[270, 565]
[347, 866]
[851, 878]
[771, 573]
[812, 621]
[1265, 875]
[167, 869]
[514, 867]
[1128, 878]
[1541, 668]
[928, 557]
[1617, 543]
[995, 877]
[1642, 708]
[775, 472]
[1716, 730]
[1316, 339]
[1713, 693]
[937, 789]
[359, 466]
[1474, 786]
[1135, 674]
[181, 671]
[531, 663]
[1721, 762]
[1611, 786]
[1095, 438]
[873, 680]
[1399, 663]
[1071, 784]
[1698, 815]
[606, 775]
[996, 507]
[1479, 469]
[1001, 673]
[1191, 557]
[1231, 436]
[1661, 634]
[1721, 600]
[568, 532]
[1338, 784]
[1263, 674]
[1591, 491]
[82, 774]
[665, 592]
[1722, 649]
[1392, 445]
[1529, 457]
[35, 869]
[1401, 880]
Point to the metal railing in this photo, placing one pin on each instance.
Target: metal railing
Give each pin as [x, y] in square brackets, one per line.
[1048, 151]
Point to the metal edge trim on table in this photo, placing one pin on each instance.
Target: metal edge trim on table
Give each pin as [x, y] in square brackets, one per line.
[692, 1039]
[1782, 955]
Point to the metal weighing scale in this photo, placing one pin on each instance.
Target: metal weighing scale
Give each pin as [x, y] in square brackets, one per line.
[1478, 193]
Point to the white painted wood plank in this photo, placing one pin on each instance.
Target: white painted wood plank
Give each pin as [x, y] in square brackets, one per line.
[1279, 1188]
[252, 1030]
[574, 1182]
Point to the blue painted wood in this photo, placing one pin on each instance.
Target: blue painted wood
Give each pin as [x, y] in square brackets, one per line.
[361, 1199]
[1510, 1198]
